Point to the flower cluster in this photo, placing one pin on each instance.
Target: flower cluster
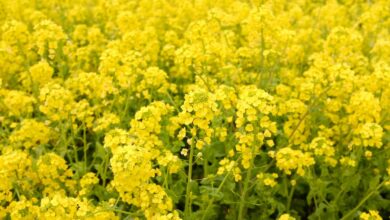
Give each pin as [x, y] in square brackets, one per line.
[288, 159]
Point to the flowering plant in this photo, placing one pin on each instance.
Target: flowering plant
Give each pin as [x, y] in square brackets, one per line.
[195, 109]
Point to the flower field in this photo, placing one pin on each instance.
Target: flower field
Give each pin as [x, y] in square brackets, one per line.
[195, 109]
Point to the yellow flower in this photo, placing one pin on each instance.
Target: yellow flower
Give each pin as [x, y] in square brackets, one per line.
[56, 102]
[370, 215]
[108, 119]
[17, 103]
[47, 38]
[31, 134]
[182, 134]
[184, 152]
[92, 85]
[288, 159]
[41, 73]
[346, 161]
[286, 217]
[369, 135]
[54, 174]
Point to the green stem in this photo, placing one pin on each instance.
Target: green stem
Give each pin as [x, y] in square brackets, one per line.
[212, 200]
[241, 207]
[243, 196]
[362, 201]
[205, 167]
[75, 150]
[125, 212]
[187, 209]
[290, 196]
[85, 146]
[126, 104]
[16, 189]
[106, 164]
[166, 181]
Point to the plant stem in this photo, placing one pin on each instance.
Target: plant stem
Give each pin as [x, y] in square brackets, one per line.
[106, 164]
[212, 199]
[362, 201]
[243, 196]
[85, 146]
[187, 209]
[205, 167]
[73, 140]
[248, 177]
[290, 196]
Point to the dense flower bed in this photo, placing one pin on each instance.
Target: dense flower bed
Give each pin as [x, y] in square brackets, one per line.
[195, 109]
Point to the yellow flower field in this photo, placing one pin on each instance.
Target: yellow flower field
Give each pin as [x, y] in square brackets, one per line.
[195, 109]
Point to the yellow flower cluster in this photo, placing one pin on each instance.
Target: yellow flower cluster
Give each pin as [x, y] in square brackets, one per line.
[57, 207]
[288, 159]
[131, 161]
[56, 102]
[147, 128]
[16, 103]
[54, 174]
[90, 85]
[323, 147]
[105, 121]
[48, 37]
[87, 182]
[197, 113]
[38, 75]
[30, 134]
[268, 179]
[229, 166]
[255, 128]
[134, 163]
[369, 135]
[370, 215]
[15, 169]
